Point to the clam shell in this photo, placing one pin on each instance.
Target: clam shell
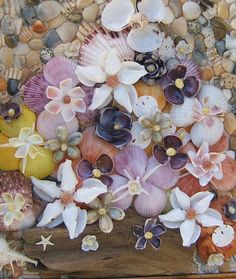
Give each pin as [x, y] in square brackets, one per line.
[47, 124]
[40, 167]
[60, 68]
[25, 34]
[100, 41]
[63, 33]
[12, 129]
[35, 93]
[48, 10]
[8, 161]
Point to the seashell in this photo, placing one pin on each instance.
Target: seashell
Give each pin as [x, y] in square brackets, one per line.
[85, 29]
[191, 10]
[48, 10]
[217, 66]
[3, 84]
[223, 10]
[46, 54]
[63, 33]
[220, 28]
[183, 115]
[13, 73]
[35, 93]
[25, 34]
[40, 167]
[221, 146]
[179, 27]
[13, 7]
[6, 56]
[12, 129]
[227, 65]
[232, 11]
[207, 73]
[151, 90]
[233, 23]
[230, 42]
[47, 124]
[91, 146]
[21, 49]
[2, 40]
[230, 123]
[90, 13]
[100, 41]
[192, 68]
[36, 44]
[60, 68]
[39, 27]
[169, 17]
[32, 59]
[29, 15]
[57, 21]
[167, 48]
[8, 161]
[75, 18]
[68, 8]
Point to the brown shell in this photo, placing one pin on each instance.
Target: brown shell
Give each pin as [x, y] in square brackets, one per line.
[3, 84]
[39, 27]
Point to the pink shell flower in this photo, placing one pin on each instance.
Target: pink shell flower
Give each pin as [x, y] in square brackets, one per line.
[66, 100]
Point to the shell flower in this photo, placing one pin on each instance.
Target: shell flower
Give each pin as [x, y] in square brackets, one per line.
[188, 211]
[66, 100]
[183, 135]
[230, 209]
[177, 85]
[11, 208]
[114, 126]
[183, 48]
[150, 233]
[26, 144]
[62, 200]
[104, 212]
[100, 170]
[215, 259]
[152, 124]
[64, 145]
[170, 153]
[10, 111]
[89, 243]
[143, 36]
[117, 77]
[205, 165]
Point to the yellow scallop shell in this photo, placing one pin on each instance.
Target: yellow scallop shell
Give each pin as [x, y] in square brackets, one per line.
[8, 161]
[40, 167]
[12, 129]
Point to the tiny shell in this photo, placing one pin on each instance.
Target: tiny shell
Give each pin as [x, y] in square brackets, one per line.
[230, 123]
[39, 27]
[48, 10]
[13, 73]
[25, 34]
[179, 27]
[6, 56]
[90, 13]
[223, 9]
[68, 7]
[36, 44]
[32, 59]
[57, 21]
[63, 33]
[191, 10]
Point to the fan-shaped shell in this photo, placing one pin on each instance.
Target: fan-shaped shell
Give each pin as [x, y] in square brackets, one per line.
[100, 41]
[8, 161]
[12, 129]
[35, 93]
[40, 167]
[192, 68]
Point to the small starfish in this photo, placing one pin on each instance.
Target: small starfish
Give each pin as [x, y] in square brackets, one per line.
[45, 241]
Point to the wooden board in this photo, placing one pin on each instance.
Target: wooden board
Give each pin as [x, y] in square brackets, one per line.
[116, 256]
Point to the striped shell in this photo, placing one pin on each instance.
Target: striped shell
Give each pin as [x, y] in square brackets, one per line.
[25, 34]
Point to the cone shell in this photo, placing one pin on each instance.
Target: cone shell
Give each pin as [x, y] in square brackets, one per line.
[40, 167]
[12, 129]
[58, 69]
[151, 90]
[100, 41]
[47, 124]
[14, 182]
[8, 161]
[35, 93]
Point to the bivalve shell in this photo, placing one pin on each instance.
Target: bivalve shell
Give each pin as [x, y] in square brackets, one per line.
[57, 21]
[48, 10]
[36, 44]
[191, 10]
[25, 34]
[63, 33]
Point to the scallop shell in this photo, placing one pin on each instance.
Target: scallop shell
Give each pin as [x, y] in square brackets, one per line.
[85, 29]
[47, 124]
[8, 161]
[58, 69]
[35, 93]
[14, 182]
[25, 34]
[192, 68]
[40, 167]
[100, 41]
[151, 90]
[12, 129]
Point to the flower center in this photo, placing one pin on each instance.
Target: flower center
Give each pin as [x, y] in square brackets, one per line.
[112, 81]
[171, 152]
[206, 165]
[205, 110]
[89, 242]
[97, 173]
[156, 128]
[11, 207]
[67, 99]
[138, 20]
[191, 213]
[11, 113]
[117, 126]
[148, 235]
[66, 198]
[179, 83]
[134, 187]
[102, 211]
[181, 135]
[182, 50]
[231, 210]
[64, 147]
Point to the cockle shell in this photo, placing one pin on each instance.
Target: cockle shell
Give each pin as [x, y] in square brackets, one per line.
[25, 34]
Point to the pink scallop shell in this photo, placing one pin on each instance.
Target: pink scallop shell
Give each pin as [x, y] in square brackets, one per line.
[35, 93]
[100, 41]
[192, 68]
[47, 124]
[58, 69]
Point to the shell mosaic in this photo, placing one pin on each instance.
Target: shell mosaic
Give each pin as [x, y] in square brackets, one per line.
[112, 104]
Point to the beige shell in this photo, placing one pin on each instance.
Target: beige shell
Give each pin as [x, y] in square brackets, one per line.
[2, 41]
[217, 66]
[13, 7]
[48, 10]
[13, 73]
[36, 44]
[6, 56]
[68, 7]
[84, 30]
[57, 21]
[25, 34]
[63, 33]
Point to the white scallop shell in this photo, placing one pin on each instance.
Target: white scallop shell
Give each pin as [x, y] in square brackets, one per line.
[183, 115]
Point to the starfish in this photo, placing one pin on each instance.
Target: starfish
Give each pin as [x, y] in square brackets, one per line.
[45, 241]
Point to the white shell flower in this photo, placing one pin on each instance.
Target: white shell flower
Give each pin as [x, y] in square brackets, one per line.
[26, 144]
[63, 199]
[215, 259]
[143, 36]
[89, 243]
[117, 77]
[152, 124]
[187, 211]
[183, 49]
[66, 100]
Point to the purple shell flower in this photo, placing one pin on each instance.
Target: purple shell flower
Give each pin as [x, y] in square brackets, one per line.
[149, 234]
[170, 153]
[10, 111]
[100, 170]
[114, 126]
[177, 84]
[230, 209]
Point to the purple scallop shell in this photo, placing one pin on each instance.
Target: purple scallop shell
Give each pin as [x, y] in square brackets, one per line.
[58, 69]
[192, 68]
[35, 93]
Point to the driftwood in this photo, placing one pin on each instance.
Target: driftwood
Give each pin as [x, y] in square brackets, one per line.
[116, 256]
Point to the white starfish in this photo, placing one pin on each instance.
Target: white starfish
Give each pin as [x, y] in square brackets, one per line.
[45, 241]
